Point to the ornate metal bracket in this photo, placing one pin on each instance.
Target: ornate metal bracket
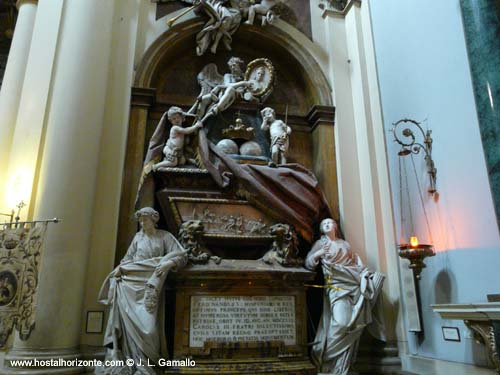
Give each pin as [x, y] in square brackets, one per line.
[409, 145]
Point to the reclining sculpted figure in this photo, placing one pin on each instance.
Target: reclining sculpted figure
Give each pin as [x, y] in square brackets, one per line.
[133, 293]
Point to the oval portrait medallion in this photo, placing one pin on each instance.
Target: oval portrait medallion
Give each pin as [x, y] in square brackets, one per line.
[8, 287]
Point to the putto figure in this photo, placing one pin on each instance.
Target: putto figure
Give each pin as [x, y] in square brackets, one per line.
[279, 132]
[219, 92]
[132, 292]
[264, 9]
[173, 151]
[351, 291]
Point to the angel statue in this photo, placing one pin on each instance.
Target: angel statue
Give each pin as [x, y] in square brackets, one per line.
[351, 291]
[133, 293]
[219, 92]
[224, 18]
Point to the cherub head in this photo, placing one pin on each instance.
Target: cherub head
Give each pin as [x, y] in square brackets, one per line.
[175, 116]
[268, 114]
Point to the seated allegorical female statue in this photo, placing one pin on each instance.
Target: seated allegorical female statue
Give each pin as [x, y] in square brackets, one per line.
[133, 293]
[351, 291]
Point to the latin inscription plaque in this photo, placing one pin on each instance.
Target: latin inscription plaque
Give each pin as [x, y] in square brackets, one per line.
[242, 319]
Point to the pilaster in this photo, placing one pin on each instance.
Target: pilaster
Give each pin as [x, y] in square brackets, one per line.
[364, 190]
[12, 84]
[65, 187]
[142, 100]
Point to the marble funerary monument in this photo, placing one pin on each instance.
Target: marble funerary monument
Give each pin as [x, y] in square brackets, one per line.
[230, 143]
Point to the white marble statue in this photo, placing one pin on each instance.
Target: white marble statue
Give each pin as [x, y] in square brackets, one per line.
[351, 291]
[236, 74]
[173, 151]
[219, 92]
[264, 9]
[279, 132]
[224, 18]
[133, 293]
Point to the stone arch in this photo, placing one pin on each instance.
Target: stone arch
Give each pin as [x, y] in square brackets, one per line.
[280, 38]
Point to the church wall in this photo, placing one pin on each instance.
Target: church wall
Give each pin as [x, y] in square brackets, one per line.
[424, 74]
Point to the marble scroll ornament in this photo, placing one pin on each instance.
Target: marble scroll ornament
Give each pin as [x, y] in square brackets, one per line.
[20, 252]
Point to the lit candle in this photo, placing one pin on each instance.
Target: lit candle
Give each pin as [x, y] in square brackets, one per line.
[413, 241]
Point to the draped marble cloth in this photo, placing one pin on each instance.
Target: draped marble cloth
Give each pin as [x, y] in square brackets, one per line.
[335, 345]
[132, 331]
[289, 193]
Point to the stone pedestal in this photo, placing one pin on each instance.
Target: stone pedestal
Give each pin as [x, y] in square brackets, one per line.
[241, 317]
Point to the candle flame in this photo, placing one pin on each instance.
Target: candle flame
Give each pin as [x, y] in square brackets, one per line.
[414, 241]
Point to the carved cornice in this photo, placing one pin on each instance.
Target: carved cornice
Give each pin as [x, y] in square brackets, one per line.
[321, 115]
[333, 4]
[337, 7]
[143, 97]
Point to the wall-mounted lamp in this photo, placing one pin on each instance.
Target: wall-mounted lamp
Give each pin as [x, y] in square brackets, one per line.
[416, 253]
[412, 250]
[409, 145]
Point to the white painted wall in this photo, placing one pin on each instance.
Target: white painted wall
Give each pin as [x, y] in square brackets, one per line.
[424, 74]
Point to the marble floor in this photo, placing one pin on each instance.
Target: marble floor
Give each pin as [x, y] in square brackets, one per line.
[427, 366]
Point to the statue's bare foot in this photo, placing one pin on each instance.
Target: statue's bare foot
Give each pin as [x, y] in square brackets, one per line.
[150, 298]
